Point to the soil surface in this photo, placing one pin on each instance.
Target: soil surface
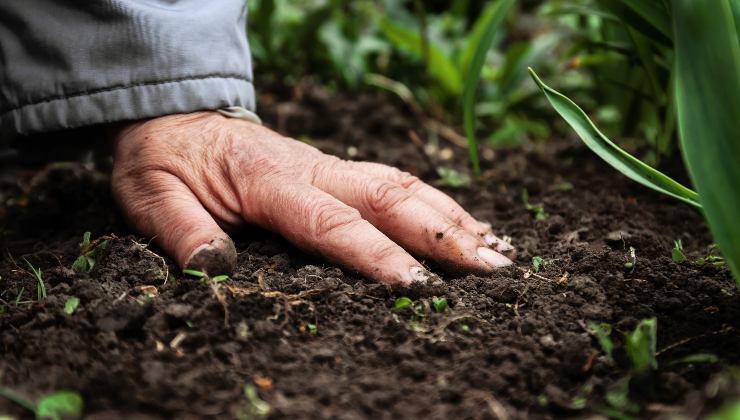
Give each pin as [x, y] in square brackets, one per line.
[314, 341]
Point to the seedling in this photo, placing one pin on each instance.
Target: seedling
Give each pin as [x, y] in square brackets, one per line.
[538, 210]
[312, 328]
[19, 297]
[631, 260]
[439, 304]
[204, 277]
[640, 346]
[40, 286]
[402, 303]
[256, 407]
[70, 306]
[603, 332]
[452, 178]
[715, 260]
[537, 263]
[677, 252]
[90, 253]
[55, 406]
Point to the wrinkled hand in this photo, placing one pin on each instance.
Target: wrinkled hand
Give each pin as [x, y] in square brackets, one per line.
[184, 179]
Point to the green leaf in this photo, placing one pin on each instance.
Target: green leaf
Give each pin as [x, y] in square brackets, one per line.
[537, 263]
[220, 279]
[70, 306]
[85, 240]
[730, 411]
[472, 76]
[450, 177]
[440, 304]
[82, 264]
[603, 332]
[697, 358]
[677, 254]
[194, 273]
[612, 154]
[440, 67]
[640, 345]
[707, 88]
[59, 405]
[652, 12]
[402, 303]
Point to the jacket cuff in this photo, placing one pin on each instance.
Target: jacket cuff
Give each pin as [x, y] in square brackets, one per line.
[136, 101]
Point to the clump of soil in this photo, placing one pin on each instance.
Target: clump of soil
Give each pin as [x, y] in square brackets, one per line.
[314, 341]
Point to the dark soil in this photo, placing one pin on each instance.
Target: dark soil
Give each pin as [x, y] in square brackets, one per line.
[318, 342]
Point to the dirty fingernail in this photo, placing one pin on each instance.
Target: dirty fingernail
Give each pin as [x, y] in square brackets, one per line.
[214, 258]
[492, 258]
[419, 274]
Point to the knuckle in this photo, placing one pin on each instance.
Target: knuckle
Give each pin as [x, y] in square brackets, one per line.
[382, 251]
[328, 218]
[385, 196]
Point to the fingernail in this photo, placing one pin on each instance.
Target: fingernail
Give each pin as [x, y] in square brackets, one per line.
[419, 274]
[214, 258]
[493, 258]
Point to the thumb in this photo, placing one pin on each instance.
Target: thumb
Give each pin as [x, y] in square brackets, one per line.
[163, 207]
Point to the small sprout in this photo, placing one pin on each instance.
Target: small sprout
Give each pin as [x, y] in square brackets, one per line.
[451, 178]
[40, 286]
[90, 252]
[55, 406]
[640, 346]
[189, 323]
[696, 358]
[603, 332]
[313, 329]
[631, 260]
[70, 306]
[256, 407]
[402, 303]
[194, 273]
[538, 210]
[561, 186]
[204, 277]
[715, 260]
[221, 278]
[440, 304]
[677, 252]
[19, 297]
[537, 263]
[59, 405]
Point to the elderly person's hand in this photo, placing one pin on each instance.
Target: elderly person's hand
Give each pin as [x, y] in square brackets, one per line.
[185, 179]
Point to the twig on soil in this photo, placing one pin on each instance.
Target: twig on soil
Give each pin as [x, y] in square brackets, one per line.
[146, 249]
[723, 330]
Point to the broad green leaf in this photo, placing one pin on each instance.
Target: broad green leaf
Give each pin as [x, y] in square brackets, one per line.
[652, 12]
[59, 405]
[537, 263]
[612, 154]
[440, 304]
[707, 87]
[472, 76]
[640, 345]
[439, 66]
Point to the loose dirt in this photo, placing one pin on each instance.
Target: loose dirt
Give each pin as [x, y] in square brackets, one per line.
[315, 341]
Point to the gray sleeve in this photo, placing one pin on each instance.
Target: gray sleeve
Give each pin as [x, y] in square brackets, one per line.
[74, 63]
